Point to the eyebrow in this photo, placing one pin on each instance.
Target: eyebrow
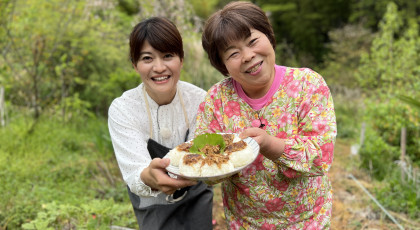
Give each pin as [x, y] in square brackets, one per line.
[230, 47]
[142, 53]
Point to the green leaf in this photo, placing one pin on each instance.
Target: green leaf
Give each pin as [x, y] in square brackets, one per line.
[411, 101]
[207, 138]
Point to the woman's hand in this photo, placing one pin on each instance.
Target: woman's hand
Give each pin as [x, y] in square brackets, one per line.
[270, 146]
[156, 177]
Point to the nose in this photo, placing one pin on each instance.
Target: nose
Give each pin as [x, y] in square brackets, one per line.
[159, 66]
[248, 54]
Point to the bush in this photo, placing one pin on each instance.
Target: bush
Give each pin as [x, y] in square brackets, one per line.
[376, 155]
[398, 196]
[54, 174]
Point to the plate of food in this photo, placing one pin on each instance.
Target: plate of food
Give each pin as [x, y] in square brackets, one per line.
[212, 156]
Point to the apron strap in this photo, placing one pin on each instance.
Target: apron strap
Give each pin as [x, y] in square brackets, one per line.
[183, 108]
[148, 112]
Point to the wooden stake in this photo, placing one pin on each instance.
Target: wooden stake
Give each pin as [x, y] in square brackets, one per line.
[2, 107]
[362, 134]
[403, 147]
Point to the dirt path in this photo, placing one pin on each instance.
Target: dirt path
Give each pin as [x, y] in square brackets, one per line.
[352, 208]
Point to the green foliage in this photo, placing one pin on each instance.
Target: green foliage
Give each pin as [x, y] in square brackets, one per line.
[347, 114]
[302, 26]
[202, 140]
[55, 49]
[345, 48]
[94, 214]
[391, 68]
[372, 11]
[392, 65]
[386, 121]
[399, 197]
[377, 156]
[411, 101]
[203, 9]
[56, 175]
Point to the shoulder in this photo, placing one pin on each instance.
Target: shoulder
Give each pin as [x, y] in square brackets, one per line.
[224, 86]
[302, 73]
[128, 102]
[190, 89]
[192, 95]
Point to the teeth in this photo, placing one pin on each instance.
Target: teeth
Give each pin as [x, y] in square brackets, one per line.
[160, 78]
[254, 68]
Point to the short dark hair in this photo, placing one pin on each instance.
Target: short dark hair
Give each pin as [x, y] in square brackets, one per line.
[161, 34]
[233, 22]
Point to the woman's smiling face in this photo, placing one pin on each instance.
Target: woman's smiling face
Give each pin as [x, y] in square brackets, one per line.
[159, 72]
[251, 62]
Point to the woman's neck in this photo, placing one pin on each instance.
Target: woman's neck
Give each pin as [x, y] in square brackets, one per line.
[162, 98]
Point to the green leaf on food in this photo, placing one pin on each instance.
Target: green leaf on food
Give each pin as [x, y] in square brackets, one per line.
[208, 138]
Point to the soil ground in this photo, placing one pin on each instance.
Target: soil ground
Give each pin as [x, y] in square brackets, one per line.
[352, 207]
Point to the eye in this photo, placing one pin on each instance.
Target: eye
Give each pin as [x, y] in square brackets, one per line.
[253, 41]
[234, 54]
[146, 58]
[168, 56]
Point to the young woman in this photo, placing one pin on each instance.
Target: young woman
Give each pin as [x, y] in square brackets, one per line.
[288, 111]
[147, 121]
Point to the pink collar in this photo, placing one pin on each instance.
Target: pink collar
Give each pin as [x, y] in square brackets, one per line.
[258, 103]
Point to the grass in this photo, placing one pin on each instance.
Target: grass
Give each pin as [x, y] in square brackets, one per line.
[54, 175]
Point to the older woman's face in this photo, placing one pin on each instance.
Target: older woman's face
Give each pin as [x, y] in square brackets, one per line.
[251, 63]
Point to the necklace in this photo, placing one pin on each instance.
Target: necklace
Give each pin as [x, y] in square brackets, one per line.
[258, 122]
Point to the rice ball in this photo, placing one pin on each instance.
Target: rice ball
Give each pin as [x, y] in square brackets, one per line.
[216, 164]
[190, 165]
[230, 138]
[176, 154]
[240, 153]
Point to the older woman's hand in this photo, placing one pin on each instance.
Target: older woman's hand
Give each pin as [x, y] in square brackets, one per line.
[156, 177]
[270, 146]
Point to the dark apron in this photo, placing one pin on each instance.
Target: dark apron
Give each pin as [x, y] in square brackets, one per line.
[191, 210]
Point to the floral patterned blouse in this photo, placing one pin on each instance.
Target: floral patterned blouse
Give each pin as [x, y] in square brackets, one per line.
[294, 191]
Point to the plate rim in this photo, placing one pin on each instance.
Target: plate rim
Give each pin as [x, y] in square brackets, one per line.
[175, 170]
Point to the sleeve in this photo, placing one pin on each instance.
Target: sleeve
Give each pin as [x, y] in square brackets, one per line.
[207, 121]
[130, 147]
[309, 152]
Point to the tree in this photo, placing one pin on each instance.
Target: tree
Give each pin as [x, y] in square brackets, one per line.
[58, 52]
[304, 25]
[391, 68]
[346, 47]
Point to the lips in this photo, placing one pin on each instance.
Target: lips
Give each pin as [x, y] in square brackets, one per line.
[254, 68]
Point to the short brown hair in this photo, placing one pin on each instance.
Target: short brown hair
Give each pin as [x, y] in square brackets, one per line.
[161, 34]
[233, 22]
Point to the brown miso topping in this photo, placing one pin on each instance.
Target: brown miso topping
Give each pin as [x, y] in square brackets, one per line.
[210, 149]
[190, 159]
[237, 146]
[184, 147]
[217, 159]
[228, 138]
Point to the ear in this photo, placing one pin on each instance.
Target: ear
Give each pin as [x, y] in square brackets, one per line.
[182, 62]
[135, 67]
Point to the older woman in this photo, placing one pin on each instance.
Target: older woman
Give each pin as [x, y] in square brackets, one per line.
[147, 121]
[288, 111]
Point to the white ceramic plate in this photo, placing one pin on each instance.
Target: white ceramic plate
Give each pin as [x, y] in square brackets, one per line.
[255, 150]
